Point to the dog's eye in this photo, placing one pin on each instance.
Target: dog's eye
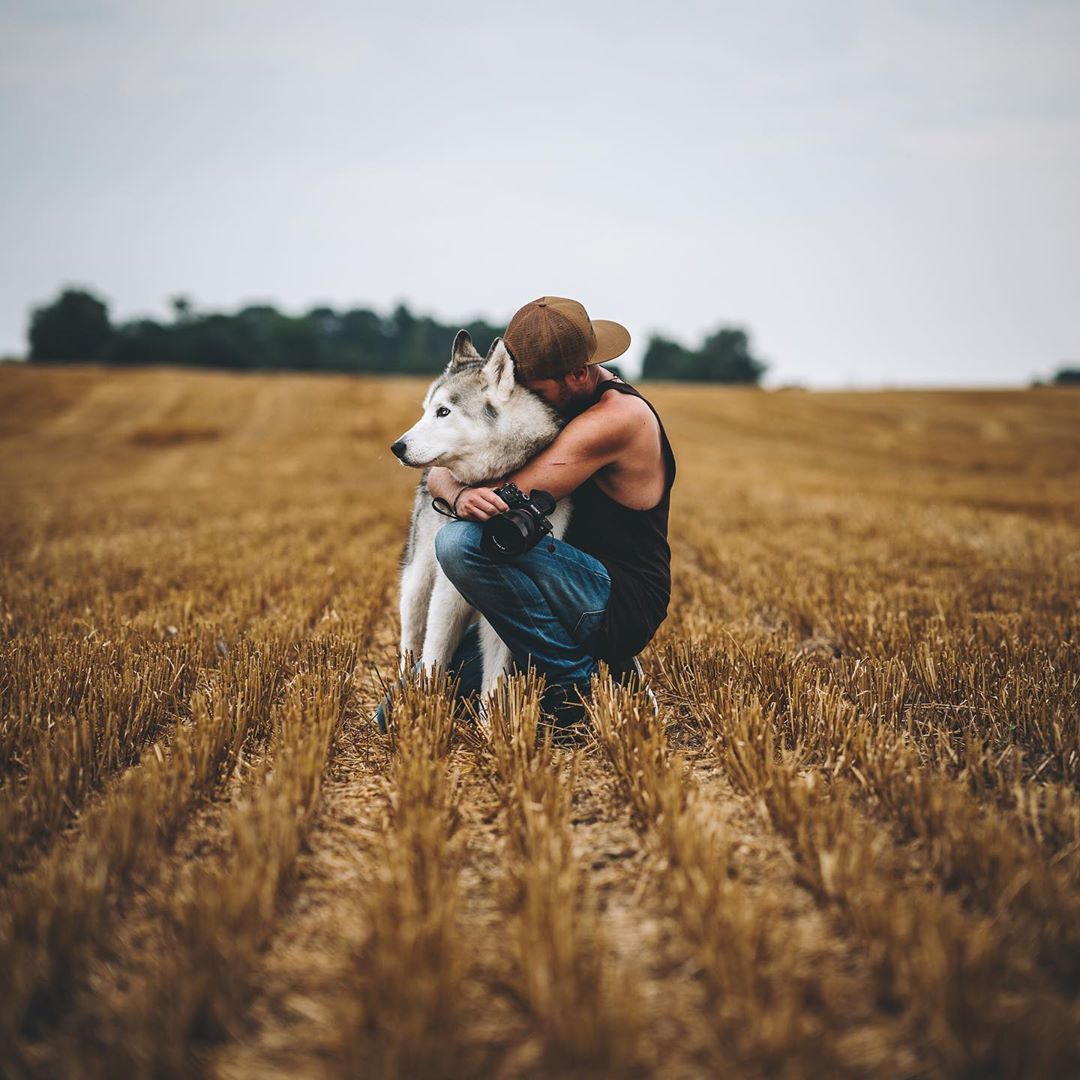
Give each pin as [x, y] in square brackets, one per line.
[442, 410]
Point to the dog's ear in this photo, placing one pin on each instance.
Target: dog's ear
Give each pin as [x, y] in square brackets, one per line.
[499, 370]
[463, 354]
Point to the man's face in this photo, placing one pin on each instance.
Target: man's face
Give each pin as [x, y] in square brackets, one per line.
[563, 394]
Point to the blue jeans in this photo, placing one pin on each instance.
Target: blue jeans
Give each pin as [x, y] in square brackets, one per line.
[545, 605]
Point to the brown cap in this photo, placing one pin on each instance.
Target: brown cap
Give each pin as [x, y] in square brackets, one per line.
[553, 335]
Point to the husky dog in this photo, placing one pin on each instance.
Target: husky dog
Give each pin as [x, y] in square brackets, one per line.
[480, 424]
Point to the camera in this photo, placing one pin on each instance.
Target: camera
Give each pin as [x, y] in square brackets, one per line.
[518, 529]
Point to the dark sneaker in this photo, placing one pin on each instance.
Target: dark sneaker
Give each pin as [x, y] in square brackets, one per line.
[381, 716]
[631, 675]
[563, 713]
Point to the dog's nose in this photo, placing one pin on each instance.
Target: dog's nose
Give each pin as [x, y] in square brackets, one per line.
[398, 448]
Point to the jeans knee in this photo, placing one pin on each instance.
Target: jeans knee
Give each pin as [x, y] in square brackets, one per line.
[454, 543]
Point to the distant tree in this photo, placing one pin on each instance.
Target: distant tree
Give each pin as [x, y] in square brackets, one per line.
[1067, 376]
[74, 327]
[421, 345]
[141, 341]
[362, 342]
[182, 308]
[724, 357]
[426, 347]
[326, 322]
[400, 323]
[219, 341]
[665, 359]
[298, 340]
[259, 336]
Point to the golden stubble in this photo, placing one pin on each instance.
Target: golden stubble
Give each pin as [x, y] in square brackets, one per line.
[854, 823]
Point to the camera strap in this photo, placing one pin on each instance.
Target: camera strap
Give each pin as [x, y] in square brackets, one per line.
[438, 505]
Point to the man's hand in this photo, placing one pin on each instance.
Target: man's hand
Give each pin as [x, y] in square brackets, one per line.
[476, 504]
[479, 504]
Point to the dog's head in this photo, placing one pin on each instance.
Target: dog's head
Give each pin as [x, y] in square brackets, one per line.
[478, 421]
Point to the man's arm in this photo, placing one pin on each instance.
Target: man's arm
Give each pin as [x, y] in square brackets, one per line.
[442, 483]
[477, 503]
[589, 442]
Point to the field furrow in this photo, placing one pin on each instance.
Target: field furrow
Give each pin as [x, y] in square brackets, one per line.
[847, 843]
[583, 1013]
[58, 912]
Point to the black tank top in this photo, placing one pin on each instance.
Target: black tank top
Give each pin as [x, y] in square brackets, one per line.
[633, 546]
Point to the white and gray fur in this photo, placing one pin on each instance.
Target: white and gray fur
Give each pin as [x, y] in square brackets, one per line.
[480, 424]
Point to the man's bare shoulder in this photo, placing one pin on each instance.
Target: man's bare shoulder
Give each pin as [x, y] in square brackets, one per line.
[609, 426]
[610, 413]
[627, 411]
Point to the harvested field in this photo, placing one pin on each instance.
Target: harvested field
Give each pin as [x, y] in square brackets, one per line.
[849, 844]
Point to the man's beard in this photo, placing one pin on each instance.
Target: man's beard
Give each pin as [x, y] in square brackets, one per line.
[575, 406]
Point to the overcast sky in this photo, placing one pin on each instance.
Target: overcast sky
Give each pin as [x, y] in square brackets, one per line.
[882, 193]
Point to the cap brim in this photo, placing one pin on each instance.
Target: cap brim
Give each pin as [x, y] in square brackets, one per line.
[612, 339]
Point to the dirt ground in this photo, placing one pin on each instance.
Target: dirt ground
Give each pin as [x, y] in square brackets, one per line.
[848, 844]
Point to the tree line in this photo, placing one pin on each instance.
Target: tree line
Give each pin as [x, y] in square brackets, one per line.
[76, 327]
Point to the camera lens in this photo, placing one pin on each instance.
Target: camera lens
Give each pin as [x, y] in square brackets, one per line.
[509, 533]
[503, 536]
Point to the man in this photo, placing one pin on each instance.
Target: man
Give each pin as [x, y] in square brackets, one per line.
[601, 591]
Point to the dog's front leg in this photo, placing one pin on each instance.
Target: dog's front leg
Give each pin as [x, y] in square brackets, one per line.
[448, 615]
[496, 657]
[417, 582]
